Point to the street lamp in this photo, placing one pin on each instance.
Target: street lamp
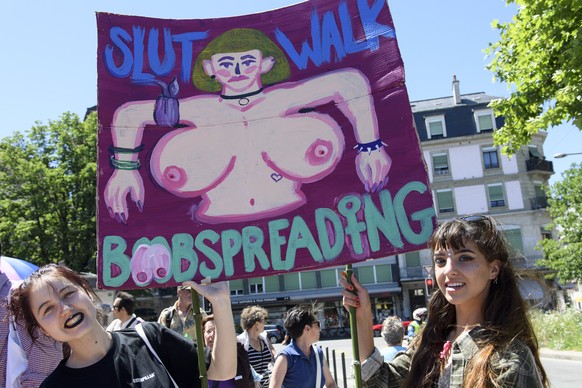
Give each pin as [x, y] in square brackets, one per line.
[563, 155]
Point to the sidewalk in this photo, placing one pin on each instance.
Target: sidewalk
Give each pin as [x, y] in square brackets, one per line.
[561, 354]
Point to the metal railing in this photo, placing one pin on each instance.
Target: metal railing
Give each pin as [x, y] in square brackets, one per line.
[539, 202]
[538, 164]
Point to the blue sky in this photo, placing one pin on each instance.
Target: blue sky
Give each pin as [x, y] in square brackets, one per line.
[49, 50]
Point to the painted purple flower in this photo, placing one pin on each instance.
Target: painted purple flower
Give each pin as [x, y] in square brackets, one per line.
[167, 107]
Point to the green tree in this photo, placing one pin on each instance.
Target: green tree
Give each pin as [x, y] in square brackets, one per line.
[539, 56]
[565, 200]
[47, 193]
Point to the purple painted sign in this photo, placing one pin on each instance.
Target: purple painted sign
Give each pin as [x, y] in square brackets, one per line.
[254, 145]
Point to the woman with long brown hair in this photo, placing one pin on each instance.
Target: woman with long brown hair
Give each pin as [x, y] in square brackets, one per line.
[477, 333]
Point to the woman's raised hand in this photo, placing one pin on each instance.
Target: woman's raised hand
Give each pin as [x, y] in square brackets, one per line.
[354, 294]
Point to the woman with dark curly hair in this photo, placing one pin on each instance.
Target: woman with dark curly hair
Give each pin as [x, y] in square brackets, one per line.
[477, 333]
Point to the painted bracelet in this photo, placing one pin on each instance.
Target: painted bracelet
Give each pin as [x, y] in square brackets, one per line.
[369, 147]
[122, 150]
[124, 164]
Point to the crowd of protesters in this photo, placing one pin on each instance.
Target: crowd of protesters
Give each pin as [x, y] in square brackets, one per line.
[474, 331]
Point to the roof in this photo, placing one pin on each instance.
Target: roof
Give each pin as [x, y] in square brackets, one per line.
[459, 118]
[441, 103]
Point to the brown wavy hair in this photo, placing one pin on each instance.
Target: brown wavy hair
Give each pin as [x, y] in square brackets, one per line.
[20, 307]
[504, 317]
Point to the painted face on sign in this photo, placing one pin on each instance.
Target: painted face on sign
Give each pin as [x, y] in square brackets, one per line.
[238, 72]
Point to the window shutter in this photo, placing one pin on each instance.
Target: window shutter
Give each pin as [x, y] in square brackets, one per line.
[436, 128]
[496, 193]
[445, 201]
[485, 122]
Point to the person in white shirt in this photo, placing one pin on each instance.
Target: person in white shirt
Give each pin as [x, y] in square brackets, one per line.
[123, 306]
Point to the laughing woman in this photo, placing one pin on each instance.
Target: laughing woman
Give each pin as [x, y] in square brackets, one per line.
[477, 333]
[61, 303]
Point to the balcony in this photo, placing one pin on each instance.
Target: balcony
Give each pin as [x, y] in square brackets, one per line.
[539, 202]
[537, 164]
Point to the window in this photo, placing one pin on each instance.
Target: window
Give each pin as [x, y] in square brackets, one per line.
[546, 234]
[490, 158]
[256, 286]
[435, 127]
[440, 164]
[308, 280]
[445, 201]
[384, 273]
[496, 198]
[328, 278]
[272, 283]
[366, 275]
[514, 239]
[291, 281]
[412, 259]
[485, 120]
[236, 287]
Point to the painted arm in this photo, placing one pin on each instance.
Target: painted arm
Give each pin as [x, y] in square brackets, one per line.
[127, 128]
[350, 90]
[363, 308]
[223, 355]
[279, 372]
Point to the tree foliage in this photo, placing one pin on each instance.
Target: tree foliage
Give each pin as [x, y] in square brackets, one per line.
[47, 193]
[539, 56]
[565, 200]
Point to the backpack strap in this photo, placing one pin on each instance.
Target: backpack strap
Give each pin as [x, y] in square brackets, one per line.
[128, 326]
[169, 317]
[318, 378]
[144, 337]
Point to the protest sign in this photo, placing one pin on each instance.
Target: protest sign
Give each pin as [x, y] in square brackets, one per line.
[254, 145]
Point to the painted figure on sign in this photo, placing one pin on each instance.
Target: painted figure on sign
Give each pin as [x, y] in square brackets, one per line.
[248, 150]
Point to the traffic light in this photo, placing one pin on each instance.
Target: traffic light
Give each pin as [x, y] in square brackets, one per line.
[428, 283]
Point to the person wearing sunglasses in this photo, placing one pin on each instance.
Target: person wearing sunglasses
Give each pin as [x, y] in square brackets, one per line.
[477, 333]
[123, 306]
[301, 364]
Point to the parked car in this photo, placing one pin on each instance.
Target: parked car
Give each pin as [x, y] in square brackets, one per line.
[378, 328]
[275, 333]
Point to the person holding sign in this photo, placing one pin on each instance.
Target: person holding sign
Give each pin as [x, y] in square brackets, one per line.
[247, 150]
[61, 303]
[477, 333]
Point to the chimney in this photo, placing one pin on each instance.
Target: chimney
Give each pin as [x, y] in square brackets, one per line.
[456, 92]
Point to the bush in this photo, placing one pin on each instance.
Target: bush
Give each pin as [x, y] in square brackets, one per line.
[558, 330]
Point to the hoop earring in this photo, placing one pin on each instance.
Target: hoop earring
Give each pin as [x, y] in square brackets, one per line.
[495, 280]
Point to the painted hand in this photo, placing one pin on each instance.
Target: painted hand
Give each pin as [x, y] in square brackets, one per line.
[122, 183]
[372, 169]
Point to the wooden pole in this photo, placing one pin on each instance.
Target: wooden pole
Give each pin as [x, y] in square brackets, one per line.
[354, 334]
[199, 339]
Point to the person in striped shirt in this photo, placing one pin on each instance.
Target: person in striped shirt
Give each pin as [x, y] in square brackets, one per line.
[261, 352]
